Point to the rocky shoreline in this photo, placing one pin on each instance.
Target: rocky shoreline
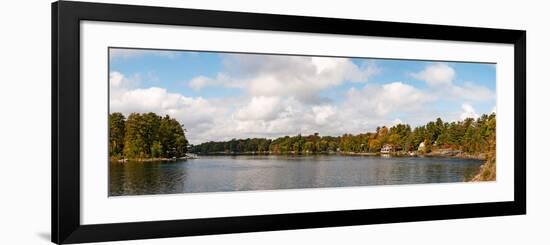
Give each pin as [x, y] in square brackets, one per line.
[456, 154]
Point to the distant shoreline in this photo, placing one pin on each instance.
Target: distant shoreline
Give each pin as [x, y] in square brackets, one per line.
[459, 155]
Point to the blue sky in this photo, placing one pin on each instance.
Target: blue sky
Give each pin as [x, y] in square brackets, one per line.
[223, 95]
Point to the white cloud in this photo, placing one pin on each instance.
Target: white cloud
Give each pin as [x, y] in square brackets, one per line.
[323, 114]
[197, 83]
[382, 100]
[337, 69]
[470, 92]
[260, 108]
[468, 111]
[360, 111]
[158, 100]
[118, 80]
[119, 83]
[436, 74]
[273, 75]
[439, 77]
[115, 79]
[282, 95]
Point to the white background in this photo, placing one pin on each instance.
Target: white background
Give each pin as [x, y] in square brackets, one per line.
[25, 124]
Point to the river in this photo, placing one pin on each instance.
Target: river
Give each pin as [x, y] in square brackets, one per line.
[244, 173]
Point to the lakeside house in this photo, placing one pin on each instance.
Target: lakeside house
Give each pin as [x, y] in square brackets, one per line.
[421, 147]
[386, 149]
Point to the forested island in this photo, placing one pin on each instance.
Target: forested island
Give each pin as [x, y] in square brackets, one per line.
[149, 136]
[145, 137]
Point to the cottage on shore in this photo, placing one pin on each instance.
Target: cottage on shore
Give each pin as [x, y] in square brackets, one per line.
[422, 147]
[386, 149]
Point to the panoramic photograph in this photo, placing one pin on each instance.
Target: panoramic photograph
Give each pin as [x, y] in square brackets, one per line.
[205, 121]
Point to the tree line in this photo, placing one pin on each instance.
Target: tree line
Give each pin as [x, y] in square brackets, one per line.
[469, 135]
[145, 135]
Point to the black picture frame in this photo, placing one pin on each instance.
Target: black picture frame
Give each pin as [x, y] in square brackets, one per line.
[65, 140]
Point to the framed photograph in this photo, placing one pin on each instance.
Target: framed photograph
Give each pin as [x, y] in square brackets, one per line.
[177, 122]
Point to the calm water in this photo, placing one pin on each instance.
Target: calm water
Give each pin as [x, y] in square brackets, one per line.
[241, 173]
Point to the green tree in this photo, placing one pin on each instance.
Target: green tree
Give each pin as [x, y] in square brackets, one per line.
[147, 135]
[134, 140]
[116, 134]
[156, 149]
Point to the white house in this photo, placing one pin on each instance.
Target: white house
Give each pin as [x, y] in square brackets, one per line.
[387, 148]
[422, 146]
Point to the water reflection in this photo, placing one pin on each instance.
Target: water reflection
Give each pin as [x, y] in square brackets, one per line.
[240, 173]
